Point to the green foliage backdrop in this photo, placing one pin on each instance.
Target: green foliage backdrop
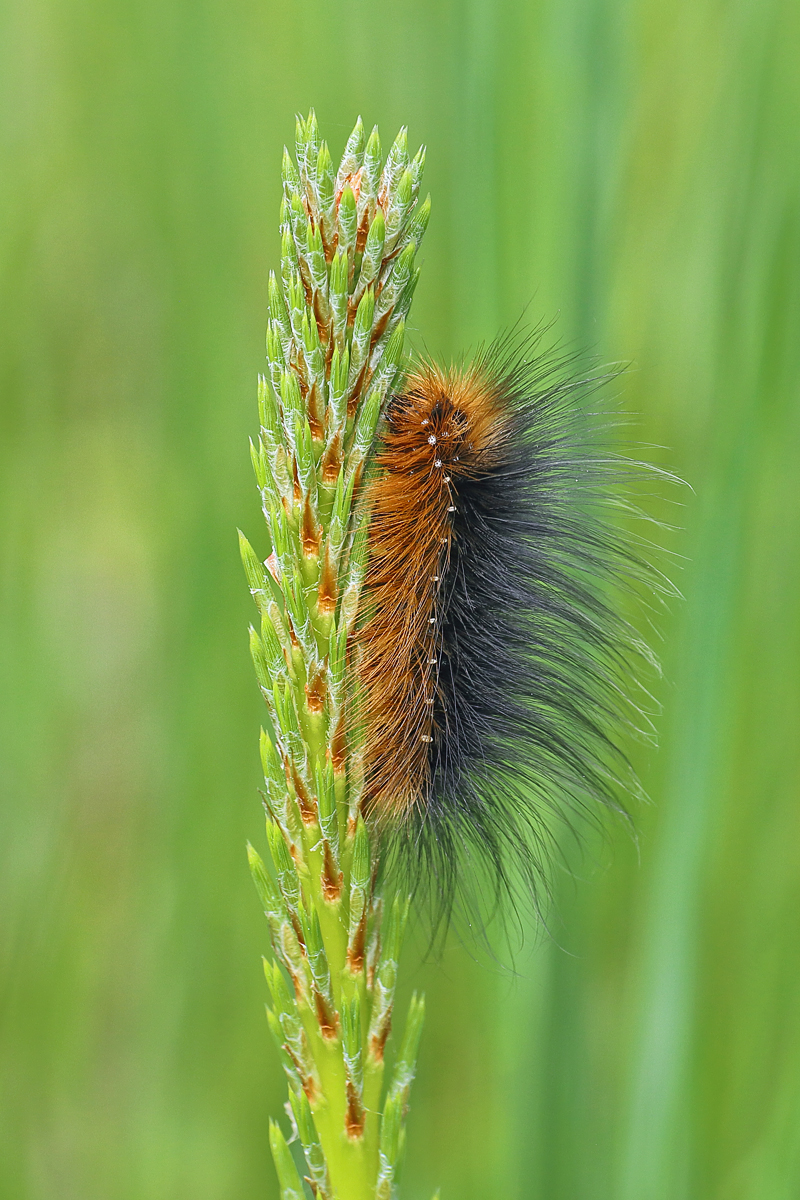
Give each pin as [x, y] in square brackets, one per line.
[629, 164]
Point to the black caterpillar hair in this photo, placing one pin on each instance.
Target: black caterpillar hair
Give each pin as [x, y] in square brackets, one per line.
[502, 677]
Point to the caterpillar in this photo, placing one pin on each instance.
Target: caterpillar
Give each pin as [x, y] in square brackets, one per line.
[498, 673]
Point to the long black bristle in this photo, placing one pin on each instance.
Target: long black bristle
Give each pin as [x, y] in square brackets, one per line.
[540, 672]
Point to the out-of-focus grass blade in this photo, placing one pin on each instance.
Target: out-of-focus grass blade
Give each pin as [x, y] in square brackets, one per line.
[633, 168]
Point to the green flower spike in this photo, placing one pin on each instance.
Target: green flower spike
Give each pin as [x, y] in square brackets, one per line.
[335, 334]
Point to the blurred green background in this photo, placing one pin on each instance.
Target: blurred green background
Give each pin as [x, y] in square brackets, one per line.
[628, 164]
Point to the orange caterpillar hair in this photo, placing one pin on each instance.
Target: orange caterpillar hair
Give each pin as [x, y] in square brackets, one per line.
[443, 428]
[495, 668]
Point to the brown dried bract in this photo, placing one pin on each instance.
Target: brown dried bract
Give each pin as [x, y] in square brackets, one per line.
[339, 746]
[354, 1117]
[328, 586]
[305, 802]
[307, 1081]
[377, 1043]
[357, 948]
[330, 878]
[327, 1018]
[311, 531]
[316, 690]
[314, 410]
[332, 460]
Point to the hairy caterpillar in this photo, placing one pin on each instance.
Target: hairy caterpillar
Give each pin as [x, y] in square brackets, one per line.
[496, 669]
